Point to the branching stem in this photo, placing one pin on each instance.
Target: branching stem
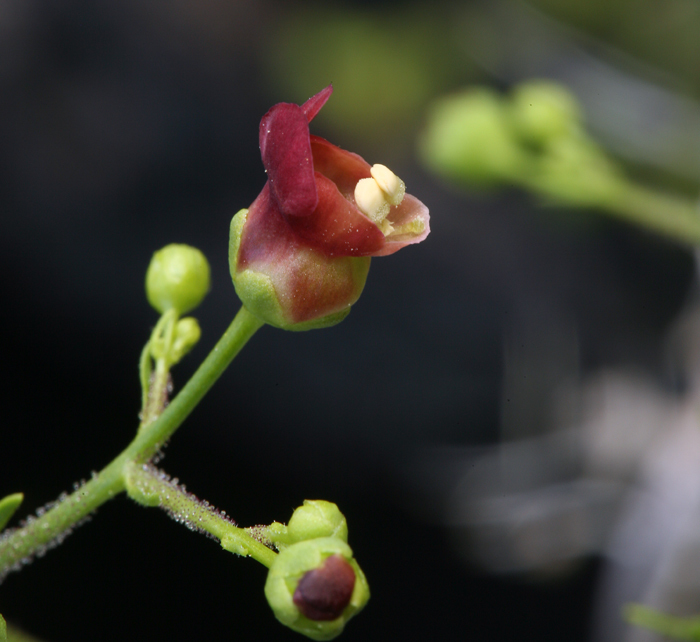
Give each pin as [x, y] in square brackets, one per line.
[39, 533]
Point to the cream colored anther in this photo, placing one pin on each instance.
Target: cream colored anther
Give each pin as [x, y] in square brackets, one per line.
[393, 187]
[375, 196]
[370, 200]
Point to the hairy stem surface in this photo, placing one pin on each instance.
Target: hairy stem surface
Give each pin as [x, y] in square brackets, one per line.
[51, 526]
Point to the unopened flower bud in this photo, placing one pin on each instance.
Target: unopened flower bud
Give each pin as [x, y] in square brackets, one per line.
[576, 171]
[542, 110]
[316, 518]
[187, 334]
[315, 586]
[468, 138]
[177, 278]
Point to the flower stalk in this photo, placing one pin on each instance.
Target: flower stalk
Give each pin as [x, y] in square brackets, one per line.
[152, 487]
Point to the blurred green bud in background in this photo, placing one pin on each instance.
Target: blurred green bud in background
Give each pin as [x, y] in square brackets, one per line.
[468, 138]
[541, 111]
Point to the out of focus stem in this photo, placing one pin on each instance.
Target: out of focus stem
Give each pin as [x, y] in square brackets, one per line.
[679, 628]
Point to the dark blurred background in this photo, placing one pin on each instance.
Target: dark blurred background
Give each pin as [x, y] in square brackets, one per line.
[127, 126]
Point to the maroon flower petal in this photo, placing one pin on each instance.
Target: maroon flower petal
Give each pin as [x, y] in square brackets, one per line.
[344, 168]
[323, 593]
[337, 227]
[314, 104]
[286, 154]
[267, 238]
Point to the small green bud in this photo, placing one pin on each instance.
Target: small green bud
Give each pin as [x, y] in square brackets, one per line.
[177, 278]
[316, 518]
[187, 334]
[315, 586]
[541, 110]
[468, 138]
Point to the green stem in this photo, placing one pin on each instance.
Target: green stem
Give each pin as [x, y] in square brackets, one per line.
[149, 441]
[679, 628]
[158, 390]
[51, 527]
[152, 487]
[671, 216]
[155, 384]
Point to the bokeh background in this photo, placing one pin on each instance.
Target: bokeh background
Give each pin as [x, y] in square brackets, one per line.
[490, 414]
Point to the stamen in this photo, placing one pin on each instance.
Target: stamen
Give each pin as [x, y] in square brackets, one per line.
[370, 200]
[375, 196]
[393, 187]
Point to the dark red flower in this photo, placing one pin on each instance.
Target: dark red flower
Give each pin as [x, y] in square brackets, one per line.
[311, 218]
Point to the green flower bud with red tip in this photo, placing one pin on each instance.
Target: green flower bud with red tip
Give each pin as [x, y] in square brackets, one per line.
[299, 257]
[315, 586]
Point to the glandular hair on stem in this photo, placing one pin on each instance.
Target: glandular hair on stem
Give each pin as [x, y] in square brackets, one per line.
[23, 550]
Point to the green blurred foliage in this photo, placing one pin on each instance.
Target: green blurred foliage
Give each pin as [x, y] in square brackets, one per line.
[385, 63]
[664, 34]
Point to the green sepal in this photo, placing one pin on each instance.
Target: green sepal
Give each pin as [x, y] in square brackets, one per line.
[3, 624]
[8, 506]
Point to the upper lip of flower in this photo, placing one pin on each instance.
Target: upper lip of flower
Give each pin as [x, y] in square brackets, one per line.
[311, 186]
